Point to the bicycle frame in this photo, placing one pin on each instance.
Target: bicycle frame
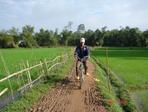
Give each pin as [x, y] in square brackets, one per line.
[81, 73]
[81, 70]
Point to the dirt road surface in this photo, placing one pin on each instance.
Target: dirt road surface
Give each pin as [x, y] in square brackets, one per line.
[67, 97]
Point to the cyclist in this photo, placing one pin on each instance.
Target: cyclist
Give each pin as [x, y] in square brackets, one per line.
[81, 53]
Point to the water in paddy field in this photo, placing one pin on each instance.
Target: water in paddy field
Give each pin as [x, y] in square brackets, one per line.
[140, 97]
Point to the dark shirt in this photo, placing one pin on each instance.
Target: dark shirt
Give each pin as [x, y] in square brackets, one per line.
[82, 52]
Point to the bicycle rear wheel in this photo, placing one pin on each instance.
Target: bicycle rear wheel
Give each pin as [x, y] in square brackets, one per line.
[81, 79]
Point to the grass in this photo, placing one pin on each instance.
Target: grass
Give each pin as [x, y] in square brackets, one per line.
[32, 96]
[129, 64]
[130, 67]
[120, 91]
[110, 101]
[15, 59]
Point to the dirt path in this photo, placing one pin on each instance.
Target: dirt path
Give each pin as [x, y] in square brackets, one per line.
[66, 97]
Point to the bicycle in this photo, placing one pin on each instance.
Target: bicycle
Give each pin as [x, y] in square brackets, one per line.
[81, 72]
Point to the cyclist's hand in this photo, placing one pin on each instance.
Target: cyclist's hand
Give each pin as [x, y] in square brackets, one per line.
[75, 56]
[85, 58]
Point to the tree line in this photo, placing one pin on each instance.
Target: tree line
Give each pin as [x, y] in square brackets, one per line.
[123, 37]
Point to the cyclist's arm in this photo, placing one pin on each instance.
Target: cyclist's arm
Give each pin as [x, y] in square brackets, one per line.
[76, 53]
[88, 54]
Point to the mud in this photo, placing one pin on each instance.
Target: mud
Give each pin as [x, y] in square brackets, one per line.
[67, 97]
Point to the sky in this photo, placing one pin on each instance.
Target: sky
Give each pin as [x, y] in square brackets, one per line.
[52, 14]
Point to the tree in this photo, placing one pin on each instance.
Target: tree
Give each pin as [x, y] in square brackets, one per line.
[46, 38]
[145, 36]
[89, 35]
[28, 36]
[123, 37]
[14, 32]
[98, 38]
[65, 36]
[6, 41]
[81, 28]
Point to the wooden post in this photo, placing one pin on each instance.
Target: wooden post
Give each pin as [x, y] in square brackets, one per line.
[29, 75]
[41, 69]
[25, 74]
[45, 68]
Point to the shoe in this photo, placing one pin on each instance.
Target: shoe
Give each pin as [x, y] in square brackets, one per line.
[87, 74]
[77, 77]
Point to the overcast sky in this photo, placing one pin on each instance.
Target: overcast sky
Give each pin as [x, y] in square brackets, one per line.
[51, 14]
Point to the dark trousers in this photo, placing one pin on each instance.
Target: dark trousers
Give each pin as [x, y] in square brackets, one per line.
[85, 66]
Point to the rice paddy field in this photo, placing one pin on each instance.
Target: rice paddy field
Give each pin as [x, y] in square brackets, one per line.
[131, 67]
[14, 57]
[14, 60]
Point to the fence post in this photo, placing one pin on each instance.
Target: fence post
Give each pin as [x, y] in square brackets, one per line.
[45, 68]
[29, 75]
[41, 69]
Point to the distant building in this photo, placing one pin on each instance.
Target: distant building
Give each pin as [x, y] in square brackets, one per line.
[22, 43]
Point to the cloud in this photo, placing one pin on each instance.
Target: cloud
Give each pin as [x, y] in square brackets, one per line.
[94, 14]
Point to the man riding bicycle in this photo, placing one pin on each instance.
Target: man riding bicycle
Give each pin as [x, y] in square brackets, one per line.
[81, 53]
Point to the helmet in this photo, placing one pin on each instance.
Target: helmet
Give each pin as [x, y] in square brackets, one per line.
[82, 40]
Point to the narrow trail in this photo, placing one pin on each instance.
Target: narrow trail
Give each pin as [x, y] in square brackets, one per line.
[66, 97]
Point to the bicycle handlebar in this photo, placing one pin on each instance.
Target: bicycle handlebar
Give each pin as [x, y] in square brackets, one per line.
[82, 59]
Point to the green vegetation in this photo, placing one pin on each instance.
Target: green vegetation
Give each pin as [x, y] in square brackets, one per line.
[15, 60]
[129, 67]
[14, 57]
[129, 64]
[33, 95]
[124, 37]
[121, 92]
[110, 100]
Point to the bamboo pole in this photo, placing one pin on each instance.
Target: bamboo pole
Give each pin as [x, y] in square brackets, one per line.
[28, 84]
[26, 69]
[53, 66]
[19, 72]
[3, 91]
[45, 68]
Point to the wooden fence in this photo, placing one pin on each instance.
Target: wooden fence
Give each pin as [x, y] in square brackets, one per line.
[45, 65]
